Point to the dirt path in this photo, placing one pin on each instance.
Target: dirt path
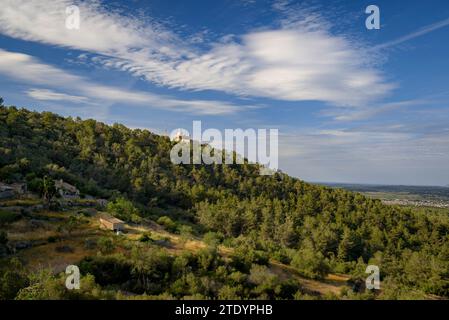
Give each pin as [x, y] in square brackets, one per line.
[332, 284]
[47, 256]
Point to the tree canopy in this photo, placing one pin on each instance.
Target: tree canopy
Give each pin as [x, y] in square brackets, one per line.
[315, 228]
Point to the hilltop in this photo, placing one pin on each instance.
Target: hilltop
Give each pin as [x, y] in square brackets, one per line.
[204, 231]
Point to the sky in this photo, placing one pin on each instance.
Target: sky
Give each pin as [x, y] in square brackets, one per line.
[351, 104]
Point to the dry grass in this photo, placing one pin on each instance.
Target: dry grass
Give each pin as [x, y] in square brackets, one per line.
[177, 242]
[332, 284]
[194, 245]
[27, 230]
[338, 277]
[23, 230]
[46, 256]
[25, 202]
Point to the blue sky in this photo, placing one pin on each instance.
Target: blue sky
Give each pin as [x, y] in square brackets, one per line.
[351, 104]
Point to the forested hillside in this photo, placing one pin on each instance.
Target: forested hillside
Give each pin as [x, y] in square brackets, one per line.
[317, 230]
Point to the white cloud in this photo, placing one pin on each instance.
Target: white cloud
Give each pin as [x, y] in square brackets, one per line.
[25, 68]
[50, 95]
[415, 34]
[100, 30]
[29, 70]
[363, 113]
[297, 62]
[387, 154]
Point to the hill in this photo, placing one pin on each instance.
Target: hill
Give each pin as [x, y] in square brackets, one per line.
[260, 221]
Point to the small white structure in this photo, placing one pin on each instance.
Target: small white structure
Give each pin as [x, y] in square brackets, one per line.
[112, 223]
[179, 137]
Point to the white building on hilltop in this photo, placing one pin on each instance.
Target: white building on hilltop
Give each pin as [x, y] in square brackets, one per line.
[179, 137]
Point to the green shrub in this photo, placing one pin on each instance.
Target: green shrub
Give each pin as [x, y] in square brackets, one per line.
[12, 280]
[106, 245]
[167, 223]
[213, 238]
[310, 263]
[3, 238]
[52, 239]
[8, 217]
[260, 257]
[185, 231]
[124, 210]
[208, 259]
[243, 257]
[146, 237]
[35, 185]
[107, 270]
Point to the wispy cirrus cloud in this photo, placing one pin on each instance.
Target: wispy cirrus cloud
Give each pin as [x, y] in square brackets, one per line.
[422, 31]
[50, 95]
[27, 69]
[293, 62]
[102, 30]
[368, 112]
